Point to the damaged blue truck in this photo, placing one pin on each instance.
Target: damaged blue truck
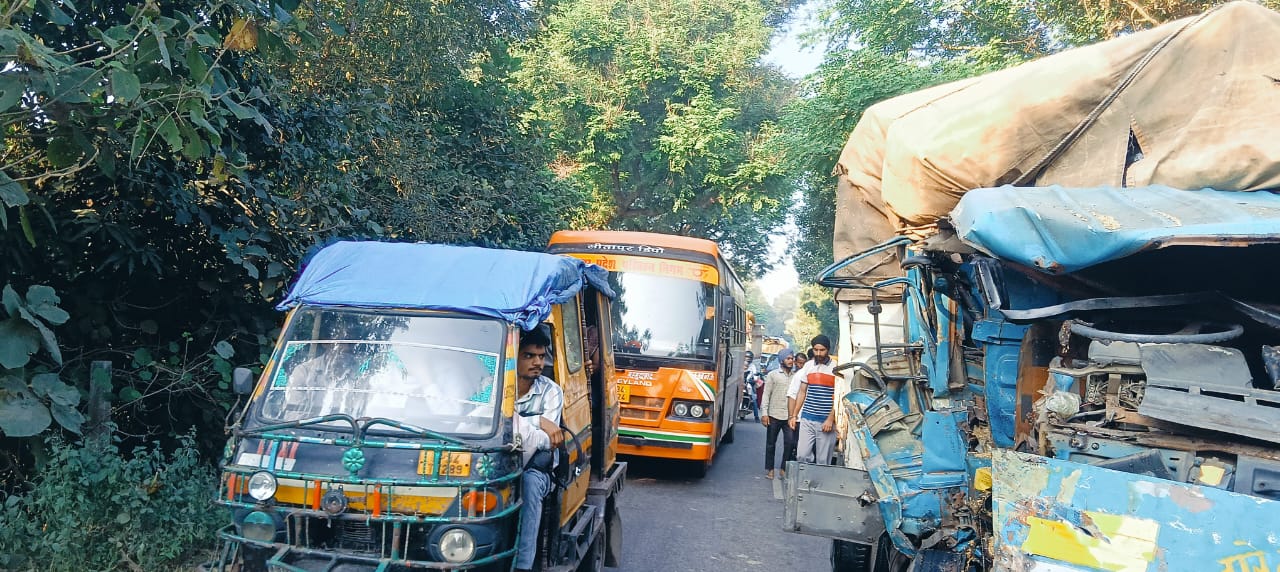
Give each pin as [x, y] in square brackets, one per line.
[1066, 335]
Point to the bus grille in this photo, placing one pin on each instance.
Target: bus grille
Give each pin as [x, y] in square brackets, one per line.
[647, 408]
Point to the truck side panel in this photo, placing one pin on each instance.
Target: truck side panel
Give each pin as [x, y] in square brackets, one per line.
[1049, 513]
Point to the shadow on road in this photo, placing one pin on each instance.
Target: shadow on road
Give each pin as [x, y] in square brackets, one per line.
[661, 469]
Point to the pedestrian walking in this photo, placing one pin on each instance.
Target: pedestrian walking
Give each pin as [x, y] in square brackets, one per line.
[777, 414]
[801, 359]
[812, 394]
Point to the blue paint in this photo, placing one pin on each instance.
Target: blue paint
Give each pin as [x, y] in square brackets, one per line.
[944, 450]
[1062, 230]
[1199, 528]
[938, 367]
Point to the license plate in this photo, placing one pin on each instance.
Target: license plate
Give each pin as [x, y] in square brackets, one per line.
[453, 464]
[624, 394]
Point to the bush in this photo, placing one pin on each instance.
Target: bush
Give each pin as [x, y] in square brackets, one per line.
[94, 508]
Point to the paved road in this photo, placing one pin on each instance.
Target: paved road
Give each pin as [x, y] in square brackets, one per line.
[728, 521]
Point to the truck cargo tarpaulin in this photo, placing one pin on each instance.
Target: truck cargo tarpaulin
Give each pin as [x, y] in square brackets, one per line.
[1189, 104]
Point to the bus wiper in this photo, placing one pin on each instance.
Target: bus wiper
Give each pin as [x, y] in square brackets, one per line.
[420, 431]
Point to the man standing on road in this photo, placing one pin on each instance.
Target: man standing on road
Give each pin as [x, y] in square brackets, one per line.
[813, 407]
[539, 404]
[777, 414]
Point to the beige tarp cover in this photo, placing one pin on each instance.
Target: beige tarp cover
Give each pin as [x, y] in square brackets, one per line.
[1205, 112]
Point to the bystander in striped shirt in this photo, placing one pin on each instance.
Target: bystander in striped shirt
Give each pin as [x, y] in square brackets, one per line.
[820, 396]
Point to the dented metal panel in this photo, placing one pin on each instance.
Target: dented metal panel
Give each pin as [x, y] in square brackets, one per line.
[833, 502]
[1056, 515]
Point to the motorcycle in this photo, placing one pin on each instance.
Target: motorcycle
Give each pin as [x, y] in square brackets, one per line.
[747, 402]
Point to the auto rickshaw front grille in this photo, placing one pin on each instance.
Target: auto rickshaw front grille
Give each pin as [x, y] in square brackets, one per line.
[355, 536]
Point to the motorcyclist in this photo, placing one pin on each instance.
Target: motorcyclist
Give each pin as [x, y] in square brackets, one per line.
[751, 378]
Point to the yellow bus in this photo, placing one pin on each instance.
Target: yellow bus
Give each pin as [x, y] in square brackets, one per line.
[679, 338]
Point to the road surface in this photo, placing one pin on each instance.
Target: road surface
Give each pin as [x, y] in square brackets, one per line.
[728, 521]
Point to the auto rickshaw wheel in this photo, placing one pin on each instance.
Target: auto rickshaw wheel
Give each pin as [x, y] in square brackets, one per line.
[594, 560]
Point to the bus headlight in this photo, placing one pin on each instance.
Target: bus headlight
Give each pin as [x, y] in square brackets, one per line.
[457, 545]
[691, 410]
[262, 486]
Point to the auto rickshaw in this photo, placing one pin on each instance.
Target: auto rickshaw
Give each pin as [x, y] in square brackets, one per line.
[380, 434]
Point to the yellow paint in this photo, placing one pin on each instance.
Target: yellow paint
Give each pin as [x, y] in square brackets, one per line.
[1118, 542]
[1211, 475]
[1252, 561]
[403, 500]
[509, 377]
[655, 266]
[982, 479]
[453, 463]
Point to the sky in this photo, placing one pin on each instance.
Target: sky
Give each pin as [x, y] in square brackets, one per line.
[797, 62]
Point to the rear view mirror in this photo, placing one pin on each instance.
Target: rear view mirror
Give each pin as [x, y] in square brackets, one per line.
[242, 381]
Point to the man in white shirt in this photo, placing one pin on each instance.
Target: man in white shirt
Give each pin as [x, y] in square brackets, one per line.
[539, 404]
[812, 401]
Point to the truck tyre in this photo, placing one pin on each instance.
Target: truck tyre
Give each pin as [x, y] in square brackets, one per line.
[850, 556]
[728, 435]
[856, 557]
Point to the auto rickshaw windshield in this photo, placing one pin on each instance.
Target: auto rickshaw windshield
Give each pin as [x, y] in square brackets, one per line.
[438, 372]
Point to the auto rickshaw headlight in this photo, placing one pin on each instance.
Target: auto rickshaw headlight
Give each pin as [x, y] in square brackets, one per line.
[259, 526]
[262, 486]
[457, 545]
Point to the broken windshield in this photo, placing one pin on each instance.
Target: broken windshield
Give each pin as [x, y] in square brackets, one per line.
[433, 371]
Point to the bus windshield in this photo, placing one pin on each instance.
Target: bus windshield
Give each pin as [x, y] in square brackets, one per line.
[432, 371]
[662, 316]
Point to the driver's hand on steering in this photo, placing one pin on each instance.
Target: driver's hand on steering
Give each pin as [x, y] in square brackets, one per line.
[552, 431]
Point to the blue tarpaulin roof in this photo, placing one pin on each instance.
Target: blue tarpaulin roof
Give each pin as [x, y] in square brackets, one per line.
[1060, 230]
[519, 287]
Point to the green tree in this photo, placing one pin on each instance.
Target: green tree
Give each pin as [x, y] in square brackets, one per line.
[129, 185]
[658, 110]
[991, 33]
[763, 310]
[815, 313]
[437, 133]
[167, 165]
[817, 123]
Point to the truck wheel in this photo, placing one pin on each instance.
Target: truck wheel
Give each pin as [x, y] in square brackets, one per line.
[728, 435]
[856, 557]
[850, 556]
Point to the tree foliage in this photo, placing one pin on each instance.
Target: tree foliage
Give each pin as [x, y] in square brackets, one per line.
[817, 123]
[167, 165]
[815, 313]
[441, 146]
[658, 109]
